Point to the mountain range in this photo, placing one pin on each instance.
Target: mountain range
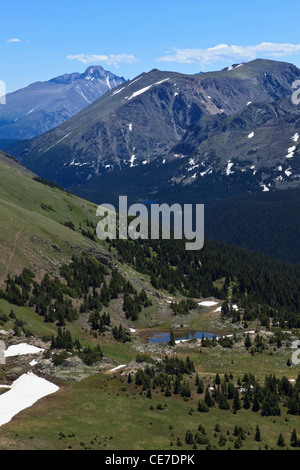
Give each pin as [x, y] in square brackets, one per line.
[42, 106]
[208, 121]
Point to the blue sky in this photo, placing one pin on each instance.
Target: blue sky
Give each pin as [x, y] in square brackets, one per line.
[40, 39]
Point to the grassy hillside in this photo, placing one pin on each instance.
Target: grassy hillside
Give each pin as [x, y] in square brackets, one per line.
[32, 232]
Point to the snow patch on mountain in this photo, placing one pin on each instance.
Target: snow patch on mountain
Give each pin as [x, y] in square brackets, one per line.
[146, 88]
[291, 152]
[64, 137]
[228, 169]
[118, 91]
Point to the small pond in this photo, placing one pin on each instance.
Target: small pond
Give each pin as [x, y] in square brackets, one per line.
[179, 336]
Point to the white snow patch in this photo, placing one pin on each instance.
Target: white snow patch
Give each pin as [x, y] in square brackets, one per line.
[130, 126]
[132, 158]
[295, 137]
[139, 92]
[118, 367]
[83, 96]
[108, 84]
[176, 93]
[117, 91]
[251, 135]
[21, 349]
[288, 172]
[33, 362]
[24, 392]
[146, 88]
[291, 152]
[162, 81]
[265, 188]
[206, 172]
[135, 80]
[64, 137]
[228, 169]
[207, 303]
[249, 102]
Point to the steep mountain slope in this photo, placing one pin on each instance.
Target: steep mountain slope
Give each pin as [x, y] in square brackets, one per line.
[260, 141]
[43, 105]
[33, 233]
[142, 120]
[256, 149]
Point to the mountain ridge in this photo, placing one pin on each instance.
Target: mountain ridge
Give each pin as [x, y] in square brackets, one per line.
[42, 106]
[145, 118]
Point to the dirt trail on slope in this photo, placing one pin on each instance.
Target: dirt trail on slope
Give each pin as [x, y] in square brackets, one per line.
[17, 236]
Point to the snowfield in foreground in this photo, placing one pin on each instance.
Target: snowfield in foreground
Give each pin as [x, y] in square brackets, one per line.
[24, 392]
[20, 349]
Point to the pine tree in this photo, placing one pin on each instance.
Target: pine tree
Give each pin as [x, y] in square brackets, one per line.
[246, 401]
[294, 438]
[257, 434]
[208, 399]
[236, 400]
[255, 405]
[223, 403]
[172, 340]
[280, 441]
[189, 438]
[200, 388]
[202, 407]
[217, 380]
[248, 341]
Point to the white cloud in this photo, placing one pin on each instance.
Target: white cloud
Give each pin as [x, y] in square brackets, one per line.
[12, 40]
[223, 52]
[110, 59]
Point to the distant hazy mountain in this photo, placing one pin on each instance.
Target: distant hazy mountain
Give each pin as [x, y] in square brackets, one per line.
[42, 106]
